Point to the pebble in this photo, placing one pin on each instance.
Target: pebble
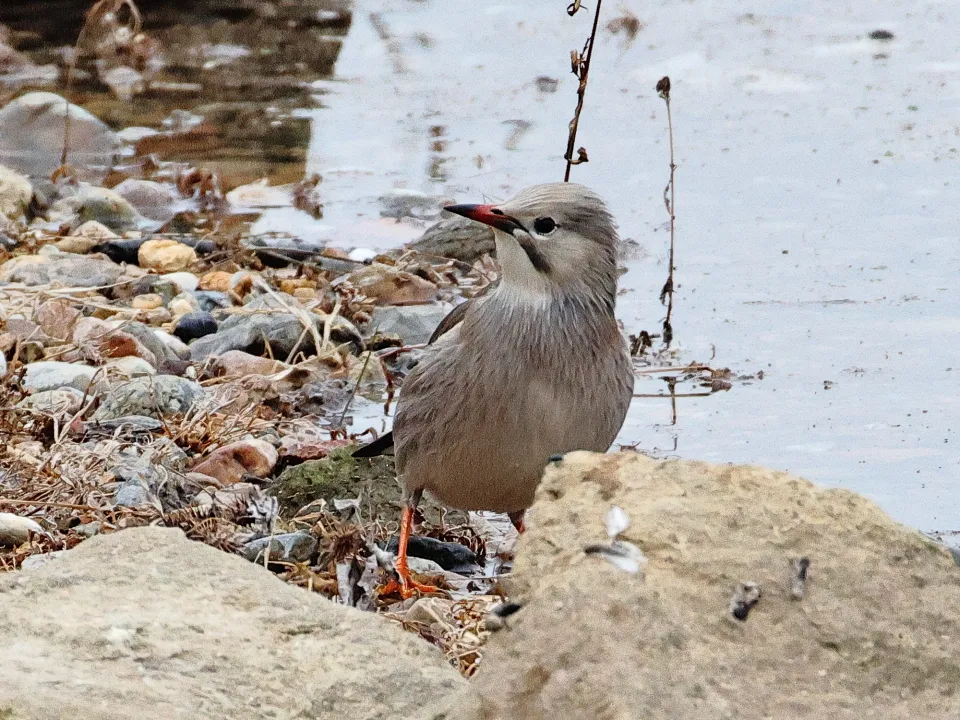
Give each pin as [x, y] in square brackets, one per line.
[15, 193]
[57, 318]
[66, 270]
[447, 555]
[51, 375]
[154, 396]
[413, 323]
[148, 301]
[95, 203]
[387, 285]
[183, 304]
[15, 529]
[231, 463]
[186, 281]
[167, 256]
[236, 363]
[289, 547]
[195, 325]
[62, 401]
[155, 201]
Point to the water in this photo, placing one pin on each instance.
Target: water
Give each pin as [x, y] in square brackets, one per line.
[816, 202]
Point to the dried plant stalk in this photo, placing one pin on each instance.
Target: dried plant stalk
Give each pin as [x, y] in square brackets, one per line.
[669, 199]
[579, 66]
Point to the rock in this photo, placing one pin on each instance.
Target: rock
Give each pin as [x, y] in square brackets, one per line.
[31, 137]
[63, 401]
[367, 375]
[94, 230]
[283, 331]
[110, 341]
[447, 555]
[183, 304]
[65, 270]
[166, 256]
[3, 365]
[56, 318]
[15, 530]
[77, 245]
[195, 325]
[126, 250]
[155, 201]
[155, 396]
[186, 281]
[414, 323]
[24, 331]
[15, 193]
[236, 363]
[217, 280]
[231, 463]
[49, 375]
[386, 285]
[174, 345]
[97, 204]
[148, 301]
[458, 238]
[189, 631]
[136, 423]
[289, 547]
[873, 635]
[129, 367]
[210, 300]
[131, 494]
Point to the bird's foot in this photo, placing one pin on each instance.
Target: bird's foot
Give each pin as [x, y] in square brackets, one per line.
[406, 587]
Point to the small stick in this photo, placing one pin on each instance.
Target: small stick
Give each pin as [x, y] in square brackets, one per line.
[580, 66]
[663, 89]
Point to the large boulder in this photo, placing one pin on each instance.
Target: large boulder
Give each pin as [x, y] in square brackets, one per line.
[874, 634]
[146, 624]
[32, 131]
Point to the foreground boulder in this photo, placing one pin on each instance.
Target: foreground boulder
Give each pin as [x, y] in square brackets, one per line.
[147, 624]
[874, 634]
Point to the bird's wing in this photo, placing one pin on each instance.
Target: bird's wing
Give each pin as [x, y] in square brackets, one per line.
[453, 319]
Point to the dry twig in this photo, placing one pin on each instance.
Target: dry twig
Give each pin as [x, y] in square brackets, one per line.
[579, 66]
[669, 199]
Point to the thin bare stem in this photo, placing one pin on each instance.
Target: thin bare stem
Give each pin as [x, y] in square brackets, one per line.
[580, 66]
[669, 199]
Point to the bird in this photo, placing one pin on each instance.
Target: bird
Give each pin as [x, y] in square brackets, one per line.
[534, 368]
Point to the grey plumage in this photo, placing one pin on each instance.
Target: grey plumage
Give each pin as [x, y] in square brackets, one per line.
[535, 368]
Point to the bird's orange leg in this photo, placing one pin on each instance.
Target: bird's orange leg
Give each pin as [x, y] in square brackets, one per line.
[408, 586]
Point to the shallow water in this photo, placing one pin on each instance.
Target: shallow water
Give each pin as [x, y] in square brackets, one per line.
[816, 201]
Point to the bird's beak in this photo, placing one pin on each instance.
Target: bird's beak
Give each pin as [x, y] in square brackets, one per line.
[488, 215]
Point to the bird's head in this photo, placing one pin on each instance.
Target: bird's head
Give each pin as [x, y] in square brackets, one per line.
[553, 238]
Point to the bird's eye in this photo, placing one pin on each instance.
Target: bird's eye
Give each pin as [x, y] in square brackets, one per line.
[544, 225]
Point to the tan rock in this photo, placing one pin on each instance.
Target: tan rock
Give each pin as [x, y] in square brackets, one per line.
[77, 245]
[289, 285]
[57, 318]
[230, 463]
[387, 285]
[149, 301]
[17, 266]
[237, 363]
[304, 294]
[216, 280]
[94, 230]
[182, 304]
[15, 193]
[144, 623]
[166, 255]
[874, 634]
